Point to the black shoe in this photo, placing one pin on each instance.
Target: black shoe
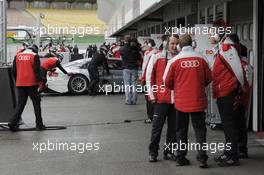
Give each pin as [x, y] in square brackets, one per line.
[243, 155]
[21, 122]
[229, 162]
[220, 158]
[169, 156]
[40, 127]
[153, 159]
[182, 162]
[203, 164]
[13, 128]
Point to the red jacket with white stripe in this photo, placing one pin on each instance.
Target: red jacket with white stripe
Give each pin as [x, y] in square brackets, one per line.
[146, 59]
[155, 70]
[224, 79]
[248, 76]
[188, 74]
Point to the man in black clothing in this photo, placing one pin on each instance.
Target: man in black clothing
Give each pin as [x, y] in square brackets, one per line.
[89, 52]
[26, 70]
[130, 55]
[99, 59]
[75, 50]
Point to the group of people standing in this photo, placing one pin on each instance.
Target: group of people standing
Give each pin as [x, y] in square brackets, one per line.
[182, 76]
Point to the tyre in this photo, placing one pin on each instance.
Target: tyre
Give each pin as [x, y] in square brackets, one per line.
[78, 85]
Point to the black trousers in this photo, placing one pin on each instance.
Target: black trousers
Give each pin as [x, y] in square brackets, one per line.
[161, 112]
[242, 129]
[199, 126]
[94, 76]
[150, 108]
[43, 74]
[23, 94]
[234, 125]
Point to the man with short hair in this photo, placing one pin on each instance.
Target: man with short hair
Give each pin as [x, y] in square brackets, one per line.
[98, 59]
[150, 50]
[228, 82]
[26, 69]
[130, 54]
[162, 98]
[188, 74]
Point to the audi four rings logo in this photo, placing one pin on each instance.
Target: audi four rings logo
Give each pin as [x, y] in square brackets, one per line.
[189, 64]
[24, 58]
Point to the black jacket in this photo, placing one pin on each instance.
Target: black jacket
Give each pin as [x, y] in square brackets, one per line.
[130, 56]
[99, 59]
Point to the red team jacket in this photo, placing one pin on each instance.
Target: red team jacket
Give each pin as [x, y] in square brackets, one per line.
[224, 79]
[146, 59]
[188, 74]
[155, 70]
[24, 65]
[248, 76]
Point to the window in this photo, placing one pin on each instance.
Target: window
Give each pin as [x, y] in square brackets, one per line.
[148, 32]
[233, 29]
[171, 23]
[158, 29]
[219, 12]
[202, 17]
[239, 31]
[152, 30]
[251, 31]
[210, 15]
[251, 57]
[245, 32]
[163, 27]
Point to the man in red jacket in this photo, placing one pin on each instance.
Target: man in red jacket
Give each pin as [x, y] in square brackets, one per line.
[26, 69]
[242, 102]
[149, 45]
[163, 99]
[228, 82]
[188, 74]
[52, 62]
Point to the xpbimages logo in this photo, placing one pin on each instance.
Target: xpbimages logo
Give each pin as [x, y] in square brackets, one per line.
[211, 147]
[117, 88]
[197, 30]
[79, 147]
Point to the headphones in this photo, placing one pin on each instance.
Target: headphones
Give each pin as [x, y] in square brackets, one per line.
[151, 43]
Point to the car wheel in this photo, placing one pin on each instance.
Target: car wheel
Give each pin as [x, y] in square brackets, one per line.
[78, 85]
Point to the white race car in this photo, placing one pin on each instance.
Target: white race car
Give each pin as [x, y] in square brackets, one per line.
[78, 83]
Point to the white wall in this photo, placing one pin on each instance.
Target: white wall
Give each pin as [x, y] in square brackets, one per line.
[118, 18]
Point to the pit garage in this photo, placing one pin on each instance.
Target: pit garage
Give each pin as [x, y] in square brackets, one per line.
[245, 18]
